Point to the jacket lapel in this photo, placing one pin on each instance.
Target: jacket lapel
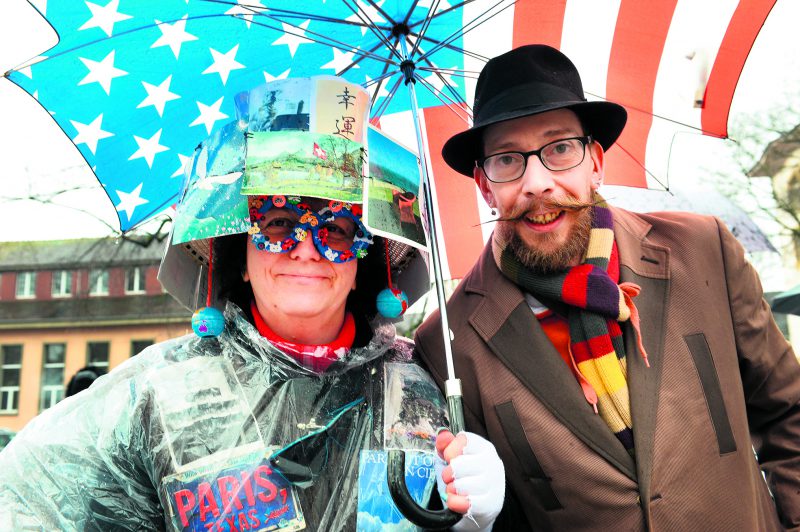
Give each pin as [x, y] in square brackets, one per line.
[509, 328]
[646, 265]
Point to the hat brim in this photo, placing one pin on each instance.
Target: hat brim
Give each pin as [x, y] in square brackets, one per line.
[603, 120]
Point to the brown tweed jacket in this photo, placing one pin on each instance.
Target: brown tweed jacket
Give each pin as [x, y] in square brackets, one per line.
[722, 383]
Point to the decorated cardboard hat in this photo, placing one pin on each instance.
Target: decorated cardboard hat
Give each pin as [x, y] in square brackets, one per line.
[296, 137]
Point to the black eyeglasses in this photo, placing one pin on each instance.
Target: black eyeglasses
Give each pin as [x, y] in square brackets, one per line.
[557, 156]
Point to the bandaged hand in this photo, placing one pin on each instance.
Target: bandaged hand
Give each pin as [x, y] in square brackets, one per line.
[471, 477]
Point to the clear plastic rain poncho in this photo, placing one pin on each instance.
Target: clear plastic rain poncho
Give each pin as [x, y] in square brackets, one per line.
[228, 434]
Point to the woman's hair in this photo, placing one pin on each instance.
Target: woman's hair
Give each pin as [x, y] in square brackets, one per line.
[82, 379]
[230, 264]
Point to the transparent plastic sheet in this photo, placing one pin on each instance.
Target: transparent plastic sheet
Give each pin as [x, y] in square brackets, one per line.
[196, 431]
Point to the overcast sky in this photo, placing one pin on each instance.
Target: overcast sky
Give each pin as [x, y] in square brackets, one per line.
[36, 155]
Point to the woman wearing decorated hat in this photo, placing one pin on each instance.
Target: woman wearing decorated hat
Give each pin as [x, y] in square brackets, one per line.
[278, 411]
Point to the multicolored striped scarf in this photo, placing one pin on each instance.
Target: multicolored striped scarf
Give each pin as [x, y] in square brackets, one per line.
[594, 305]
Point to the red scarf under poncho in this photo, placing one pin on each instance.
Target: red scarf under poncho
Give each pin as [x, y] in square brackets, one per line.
[314, 357]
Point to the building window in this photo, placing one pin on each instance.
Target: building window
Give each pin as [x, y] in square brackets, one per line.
[52, 375]
[134, 280]
[97, 354]
[98, 282]
[26, 285]
[10, 367]
[137, 346]
[62, 283]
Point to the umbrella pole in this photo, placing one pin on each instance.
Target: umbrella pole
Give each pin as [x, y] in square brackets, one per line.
[452, 385]
[445, 518]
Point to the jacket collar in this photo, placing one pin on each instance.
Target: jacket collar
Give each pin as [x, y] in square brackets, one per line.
[505, 322]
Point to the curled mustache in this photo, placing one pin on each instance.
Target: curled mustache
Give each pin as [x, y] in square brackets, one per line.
[567, 203]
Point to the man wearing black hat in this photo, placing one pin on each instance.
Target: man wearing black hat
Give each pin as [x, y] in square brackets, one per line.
[624, 365]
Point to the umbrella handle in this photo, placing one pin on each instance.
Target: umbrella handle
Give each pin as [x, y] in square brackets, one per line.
[396, 474]
[422, 517]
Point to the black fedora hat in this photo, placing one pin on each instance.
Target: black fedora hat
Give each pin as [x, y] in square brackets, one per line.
[526, 81]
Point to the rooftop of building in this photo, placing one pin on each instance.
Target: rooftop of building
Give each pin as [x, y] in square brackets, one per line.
[81, 253]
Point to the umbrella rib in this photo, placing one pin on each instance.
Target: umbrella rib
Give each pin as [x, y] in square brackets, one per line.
[445, 11]
[451, 71]
[452, 91]
[458, 49]
[441, 96]
[471, 25]
[426, 23]
[648, 172]
[385, 102]
[379, 81]
[286, 13]
[362, 15]
[328, 41]
[357, 61]
[411, 9]
[383, 13]
[632, 108]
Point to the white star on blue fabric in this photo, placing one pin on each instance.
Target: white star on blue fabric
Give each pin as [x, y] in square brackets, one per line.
[224, 63]
[129, 201]
[184, 159]
[209, 114]
[158, 95]
[340, 61]
[148, 148]
[102, 72]
[269, 77]
[90, 134]
[293, 36]
[246, 9]
[104, 17]
[173, 35]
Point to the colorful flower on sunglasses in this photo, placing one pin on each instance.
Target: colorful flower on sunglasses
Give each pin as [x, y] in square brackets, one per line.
[304, 206]
[331, 255]
[335, 206]
[274, 247]
[361, 253]
[279, 201]
[309, 218]
[254, 229]
[287, 243]
[299, 234]
[346, 255]
[257, 202]
[323, 236]
[356, 209]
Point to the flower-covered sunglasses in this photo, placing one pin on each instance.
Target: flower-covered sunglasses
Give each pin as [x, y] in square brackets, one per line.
[279, 223]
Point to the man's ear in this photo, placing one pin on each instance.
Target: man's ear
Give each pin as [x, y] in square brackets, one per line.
[598, 161]
[483, 186]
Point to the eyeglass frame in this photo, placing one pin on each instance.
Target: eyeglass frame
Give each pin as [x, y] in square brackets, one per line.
[312, 225]
[585, 140]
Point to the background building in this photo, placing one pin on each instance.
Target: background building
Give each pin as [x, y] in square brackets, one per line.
[71, 303]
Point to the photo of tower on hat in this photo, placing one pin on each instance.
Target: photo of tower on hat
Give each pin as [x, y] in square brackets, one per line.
[294, 143]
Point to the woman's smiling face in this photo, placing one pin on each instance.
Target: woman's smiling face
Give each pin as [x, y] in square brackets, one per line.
[299, 283]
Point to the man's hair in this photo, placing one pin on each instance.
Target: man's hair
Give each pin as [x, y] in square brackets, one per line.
[230, 264]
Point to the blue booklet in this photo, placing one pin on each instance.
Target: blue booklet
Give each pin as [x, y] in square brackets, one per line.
[376, 510]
